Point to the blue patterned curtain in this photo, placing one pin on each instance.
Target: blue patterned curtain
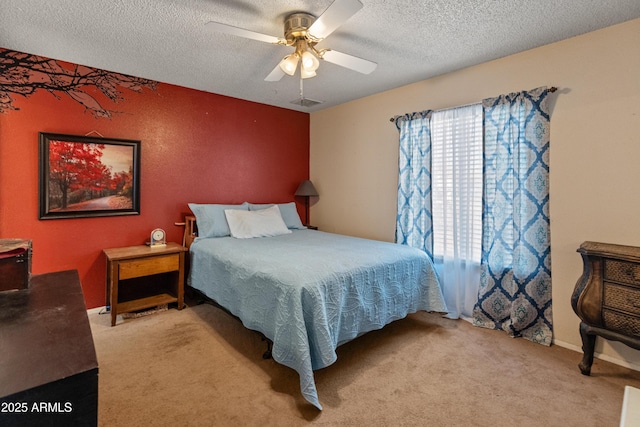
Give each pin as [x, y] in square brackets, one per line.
[413, 221]
[515, 283]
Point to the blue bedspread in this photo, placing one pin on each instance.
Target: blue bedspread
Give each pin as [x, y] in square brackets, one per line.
[311, 291]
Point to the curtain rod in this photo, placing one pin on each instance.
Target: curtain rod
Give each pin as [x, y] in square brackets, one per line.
[393, 119]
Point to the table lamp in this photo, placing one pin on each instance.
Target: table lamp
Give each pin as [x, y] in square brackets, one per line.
[306, 190]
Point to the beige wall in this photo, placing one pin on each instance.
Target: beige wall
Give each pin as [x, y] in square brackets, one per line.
[595, 153]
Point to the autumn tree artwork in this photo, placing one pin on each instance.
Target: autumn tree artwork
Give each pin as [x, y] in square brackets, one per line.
[84, 176]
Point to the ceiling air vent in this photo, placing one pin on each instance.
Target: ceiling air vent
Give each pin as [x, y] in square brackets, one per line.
[306, 102]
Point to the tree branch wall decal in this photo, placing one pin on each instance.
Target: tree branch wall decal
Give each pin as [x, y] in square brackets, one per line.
[24, 74]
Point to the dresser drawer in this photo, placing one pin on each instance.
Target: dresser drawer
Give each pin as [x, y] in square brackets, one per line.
[620, 322]
[622, 298]
[148, 266]
[621, 271]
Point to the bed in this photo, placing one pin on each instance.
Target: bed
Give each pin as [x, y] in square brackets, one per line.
[309, 291]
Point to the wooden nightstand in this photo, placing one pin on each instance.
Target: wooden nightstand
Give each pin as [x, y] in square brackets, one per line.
[140, 277]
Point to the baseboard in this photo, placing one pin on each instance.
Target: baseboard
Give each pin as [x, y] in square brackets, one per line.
[606, 358]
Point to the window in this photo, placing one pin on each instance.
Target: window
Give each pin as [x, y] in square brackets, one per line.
[460, 185]
[456, 183]
[456, 138]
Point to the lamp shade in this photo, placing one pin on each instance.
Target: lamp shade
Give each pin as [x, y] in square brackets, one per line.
[289, 64]
[309, 61]
[306, 188]
[306, 74]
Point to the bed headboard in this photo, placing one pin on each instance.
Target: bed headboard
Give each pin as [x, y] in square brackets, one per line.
[190, 230]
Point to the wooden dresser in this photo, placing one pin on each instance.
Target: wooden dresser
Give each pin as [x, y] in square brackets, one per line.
[48, 363]
[607, 297]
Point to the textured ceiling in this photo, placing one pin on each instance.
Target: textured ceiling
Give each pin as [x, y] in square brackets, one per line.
[410, 40]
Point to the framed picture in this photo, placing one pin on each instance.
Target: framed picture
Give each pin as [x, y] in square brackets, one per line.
[82, 176]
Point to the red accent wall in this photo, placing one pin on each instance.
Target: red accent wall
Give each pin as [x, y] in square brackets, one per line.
[196, 147]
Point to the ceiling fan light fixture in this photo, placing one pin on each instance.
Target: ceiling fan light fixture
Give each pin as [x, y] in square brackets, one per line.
[309, 62]
[303, 31]
[289, 63]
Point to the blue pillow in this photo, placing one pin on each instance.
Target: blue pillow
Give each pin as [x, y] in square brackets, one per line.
[211, 219]
[288, 211]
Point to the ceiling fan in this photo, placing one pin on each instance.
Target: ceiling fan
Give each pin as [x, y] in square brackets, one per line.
[304, 31]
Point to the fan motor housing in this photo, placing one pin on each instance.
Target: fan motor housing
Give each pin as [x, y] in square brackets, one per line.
[296, 26]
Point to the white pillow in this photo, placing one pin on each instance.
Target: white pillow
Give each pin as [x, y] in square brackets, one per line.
[262, 223]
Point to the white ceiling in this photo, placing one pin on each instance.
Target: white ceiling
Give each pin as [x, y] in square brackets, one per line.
[410, 40]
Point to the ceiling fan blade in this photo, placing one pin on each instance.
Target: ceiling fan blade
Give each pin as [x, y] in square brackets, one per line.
[275, 75]
[348, 61]
[335, 15]
[235, 31]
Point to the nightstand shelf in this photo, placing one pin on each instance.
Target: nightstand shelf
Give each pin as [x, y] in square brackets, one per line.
[147, 302]
[141, 277]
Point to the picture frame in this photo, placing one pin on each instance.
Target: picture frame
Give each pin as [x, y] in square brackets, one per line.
[85, 176]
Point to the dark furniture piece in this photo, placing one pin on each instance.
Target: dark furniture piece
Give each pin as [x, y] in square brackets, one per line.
[48, 363]
[15, 264]
[607, 297]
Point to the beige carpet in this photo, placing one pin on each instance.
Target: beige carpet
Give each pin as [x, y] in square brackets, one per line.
[201, 367]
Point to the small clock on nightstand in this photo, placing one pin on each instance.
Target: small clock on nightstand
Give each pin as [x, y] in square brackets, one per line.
[158, 238]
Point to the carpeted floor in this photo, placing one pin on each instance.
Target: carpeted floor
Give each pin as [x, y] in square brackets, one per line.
[201, 367]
